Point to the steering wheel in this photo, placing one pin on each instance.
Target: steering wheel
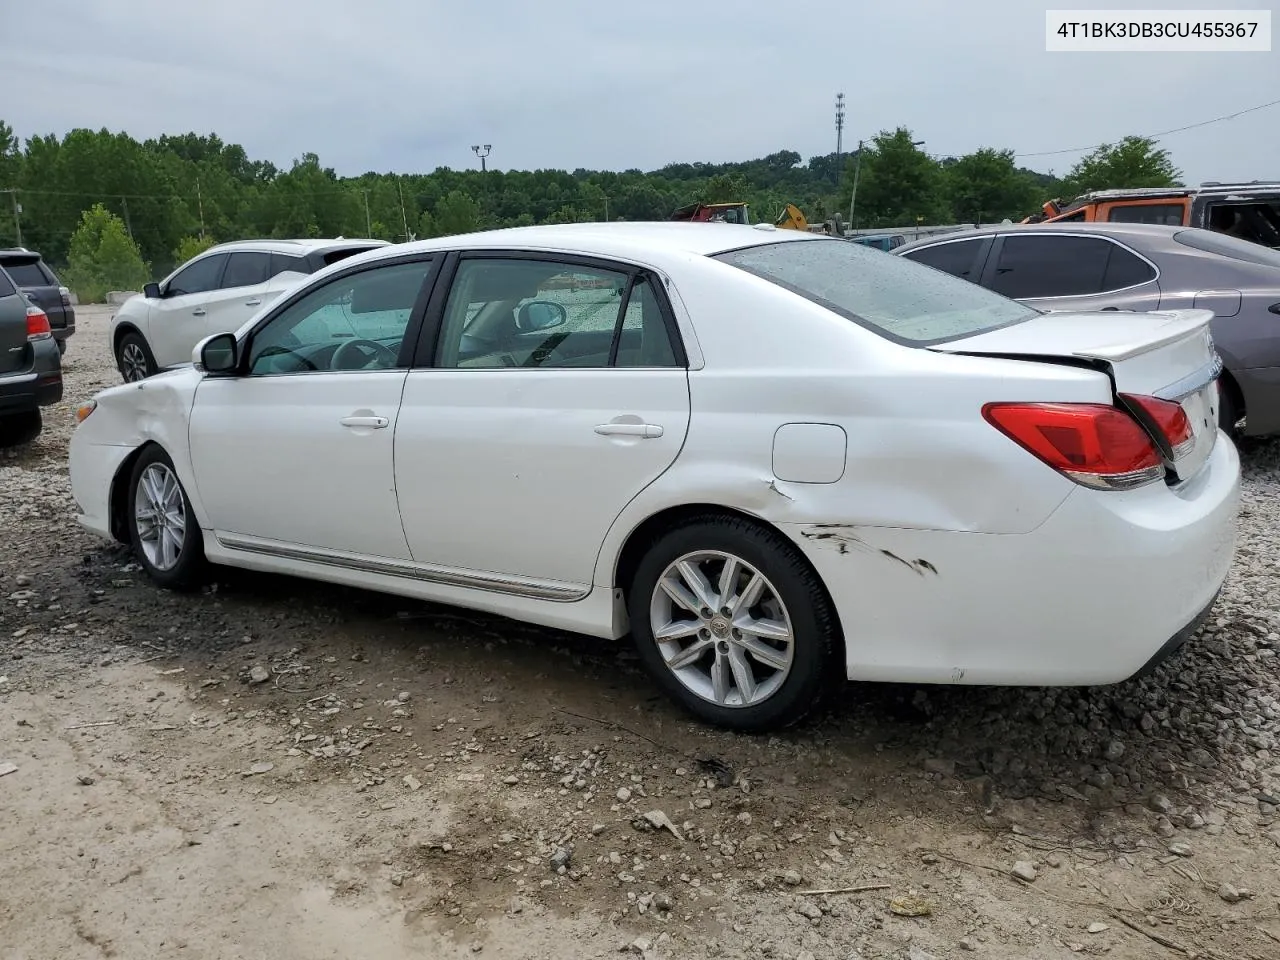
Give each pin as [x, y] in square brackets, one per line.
[366, 350]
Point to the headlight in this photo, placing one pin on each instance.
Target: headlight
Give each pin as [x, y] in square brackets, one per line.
[85, 409]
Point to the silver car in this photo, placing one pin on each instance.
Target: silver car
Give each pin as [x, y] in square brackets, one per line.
[1133, 266]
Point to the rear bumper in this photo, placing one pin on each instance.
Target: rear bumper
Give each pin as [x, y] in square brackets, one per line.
[39, 385]
[1092, 596]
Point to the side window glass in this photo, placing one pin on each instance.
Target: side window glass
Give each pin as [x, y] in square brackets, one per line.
[955, 258]
[245, 269]
[1169, 214]
[644, 340]
[1125, 269]
[356, 322]
[200, 277]
[1031, 267]
[282, 262]
[530, 313]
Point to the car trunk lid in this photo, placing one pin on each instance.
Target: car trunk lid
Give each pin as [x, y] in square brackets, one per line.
[1165, 354]
[13, 332]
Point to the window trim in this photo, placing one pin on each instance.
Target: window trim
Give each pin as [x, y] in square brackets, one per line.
[427, 352]
[993, 259]
[250, 253]
[985, 244]
[411, 331]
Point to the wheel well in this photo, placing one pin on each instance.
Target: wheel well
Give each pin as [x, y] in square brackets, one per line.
[118, 503]
[1228, 384]
[653, 527]
[119, 335]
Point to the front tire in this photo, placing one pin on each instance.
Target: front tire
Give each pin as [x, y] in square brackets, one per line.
[163, 529]
[19, 428]
[733, 624]
[133, 358]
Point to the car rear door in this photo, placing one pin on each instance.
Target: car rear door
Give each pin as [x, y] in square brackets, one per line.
[240, 292]
[13, 327]
[960, 258]
[518, 445]
[1061, 271]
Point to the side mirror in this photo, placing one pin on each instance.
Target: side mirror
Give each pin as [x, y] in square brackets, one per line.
[540, 315]
[151, 291]
[216, 354]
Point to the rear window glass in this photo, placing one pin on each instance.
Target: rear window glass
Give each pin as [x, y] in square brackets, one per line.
[333, 256]
[6, 288]
[900, 300]
[27, 273]
[1223, 245]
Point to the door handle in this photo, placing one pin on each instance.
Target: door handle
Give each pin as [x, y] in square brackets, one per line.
[649, 431]
[252, 303]
[377, 423]
[198, 312]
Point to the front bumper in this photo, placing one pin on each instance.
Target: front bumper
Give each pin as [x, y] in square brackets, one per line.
[93, 468]
[1092, 596]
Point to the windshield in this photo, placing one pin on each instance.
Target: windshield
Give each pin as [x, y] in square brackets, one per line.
[1227, 246]
[902, 301]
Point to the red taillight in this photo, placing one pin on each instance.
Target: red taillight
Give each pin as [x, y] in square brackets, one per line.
[1169, 419]
[1093, 444]
[38, 324]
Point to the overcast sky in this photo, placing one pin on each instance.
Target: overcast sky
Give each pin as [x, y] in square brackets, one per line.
[409, 85]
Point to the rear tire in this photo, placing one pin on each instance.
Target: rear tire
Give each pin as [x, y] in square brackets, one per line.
[761, 652]
[133, 358]
[19, 428]
[1230, 407]
[163, 529]
[62, 348]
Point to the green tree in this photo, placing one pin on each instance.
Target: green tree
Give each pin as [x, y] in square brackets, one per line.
[1133, 162]
[986, 186]
[103, 257]
[189, 247]
[897, 184]
[457, 213]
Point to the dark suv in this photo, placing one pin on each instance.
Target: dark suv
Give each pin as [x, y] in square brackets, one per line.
[38, 282]
[30, 365]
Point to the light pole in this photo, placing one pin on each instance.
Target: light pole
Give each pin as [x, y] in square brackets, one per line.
[476, 150]
[857, 167]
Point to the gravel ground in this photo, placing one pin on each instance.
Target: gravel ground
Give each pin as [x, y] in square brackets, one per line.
[275, 768]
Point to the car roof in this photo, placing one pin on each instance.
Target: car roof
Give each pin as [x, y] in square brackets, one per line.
[1134, 231]
[297, 248]
[19, 253]
[615, 239]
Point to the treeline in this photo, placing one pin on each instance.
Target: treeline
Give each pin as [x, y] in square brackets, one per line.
[168, 190]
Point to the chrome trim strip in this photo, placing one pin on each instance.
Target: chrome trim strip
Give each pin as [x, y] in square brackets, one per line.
[1192, 382]
[429, 573]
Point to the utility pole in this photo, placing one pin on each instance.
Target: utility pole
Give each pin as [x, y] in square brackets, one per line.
[200, 205]
[124, 202]
[403, 216]
[839, 135]
[17, 214]
[368, 224]
[606, 209]
[853, 197]
[476, 150]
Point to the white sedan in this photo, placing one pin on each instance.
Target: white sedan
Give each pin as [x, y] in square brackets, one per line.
[775, 459]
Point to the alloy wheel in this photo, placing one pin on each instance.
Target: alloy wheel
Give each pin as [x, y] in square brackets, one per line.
[722, 628]
[161, 515]
[133, 362]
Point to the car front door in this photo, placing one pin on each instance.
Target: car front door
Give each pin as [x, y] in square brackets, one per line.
[176, 321]
[240, 294]
[1054, 271]
[548, 394]
[292, 455]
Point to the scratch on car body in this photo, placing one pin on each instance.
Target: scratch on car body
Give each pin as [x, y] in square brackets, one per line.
[842, 535]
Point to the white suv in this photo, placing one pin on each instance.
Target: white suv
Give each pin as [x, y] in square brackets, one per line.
[215, 292]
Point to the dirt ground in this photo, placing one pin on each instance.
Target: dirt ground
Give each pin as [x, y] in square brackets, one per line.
[279, 769]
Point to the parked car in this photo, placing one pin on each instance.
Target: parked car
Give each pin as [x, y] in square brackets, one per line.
[886, 241]
[1249, 211]
[1130, 266]
[41, 285]
[774, 458]
[30, 365]
[214, 292]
